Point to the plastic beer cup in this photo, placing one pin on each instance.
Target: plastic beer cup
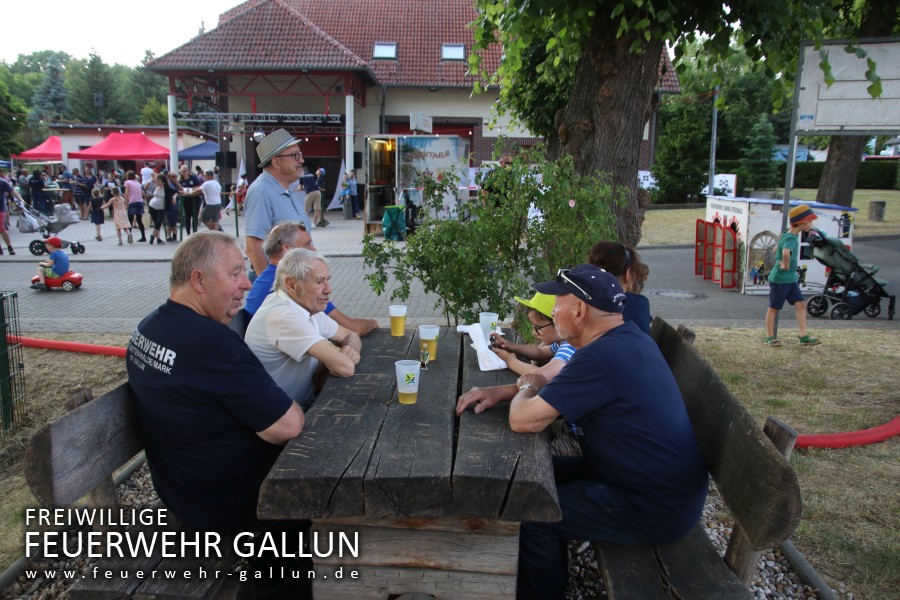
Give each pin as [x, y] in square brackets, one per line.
[428, 335]
[488, 321]
[408, 374]
[398, 319]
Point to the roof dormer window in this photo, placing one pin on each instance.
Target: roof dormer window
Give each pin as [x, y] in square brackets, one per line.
[453, 52]
[385, 50]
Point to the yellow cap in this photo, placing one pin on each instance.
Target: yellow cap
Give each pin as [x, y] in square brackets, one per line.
[543, 303]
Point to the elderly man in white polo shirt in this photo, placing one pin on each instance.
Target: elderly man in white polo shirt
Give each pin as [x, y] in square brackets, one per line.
[297, 343]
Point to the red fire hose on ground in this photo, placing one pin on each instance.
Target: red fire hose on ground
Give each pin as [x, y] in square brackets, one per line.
[69, 346]
[850, 438]
[815, 440]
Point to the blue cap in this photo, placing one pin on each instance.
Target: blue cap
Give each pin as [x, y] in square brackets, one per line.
[589, 283]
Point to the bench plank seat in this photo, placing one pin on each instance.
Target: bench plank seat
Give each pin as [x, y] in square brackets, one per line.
[105, 435]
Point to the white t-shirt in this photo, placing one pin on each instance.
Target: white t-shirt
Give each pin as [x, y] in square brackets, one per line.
[280, 335]
[158, 202]
[212, 192]
[146, 175]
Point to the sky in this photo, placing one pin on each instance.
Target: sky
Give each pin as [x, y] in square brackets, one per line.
[120, 33]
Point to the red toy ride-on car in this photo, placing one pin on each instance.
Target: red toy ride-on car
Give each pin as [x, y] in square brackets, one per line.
[68, 282]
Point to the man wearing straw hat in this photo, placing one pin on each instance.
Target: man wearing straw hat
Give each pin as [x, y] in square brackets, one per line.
[784, 279]
[270, 199]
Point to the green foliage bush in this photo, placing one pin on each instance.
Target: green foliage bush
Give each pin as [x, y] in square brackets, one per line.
[756, 157]
[878, 175]
[873, 175]
[479, 261]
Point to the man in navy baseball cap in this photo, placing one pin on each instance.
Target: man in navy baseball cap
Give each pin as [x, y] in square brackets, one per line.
[641, 477]
[589, 283]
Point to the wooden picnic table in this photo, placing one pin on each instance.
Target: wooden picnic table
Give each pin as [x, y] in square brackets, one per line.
[436, 500]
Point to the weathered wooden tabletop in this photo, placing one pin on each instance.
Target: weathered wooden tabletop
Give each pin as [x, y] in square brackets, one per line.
[361, 454]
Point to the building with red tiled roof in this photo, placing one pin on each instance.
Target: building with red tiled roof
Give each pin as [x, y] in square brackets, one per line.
[336, 71]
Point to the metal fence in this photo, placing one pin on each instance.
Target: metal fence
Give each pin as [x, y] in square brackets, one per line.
[12, 363]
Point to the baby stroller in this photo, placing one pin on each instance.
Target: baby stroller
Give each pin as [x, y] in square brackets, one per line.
[851, 286]
[32, 221]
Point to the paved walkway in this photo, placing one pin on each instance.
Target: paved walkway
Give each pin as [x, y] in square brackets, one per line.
[124, 283]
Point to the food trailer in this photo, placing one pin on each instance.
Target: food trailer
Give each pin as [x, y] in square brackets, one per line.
[394, 166]
[736, 244]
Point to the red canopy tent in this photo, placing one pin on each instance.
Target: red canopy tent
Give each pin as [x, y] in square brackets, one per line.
[124, 146]
[49, 149]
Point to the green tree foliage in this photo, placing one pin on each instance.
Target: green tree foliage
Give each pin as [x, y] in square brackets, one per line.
[147, 84]
[682, 156]
[49, 103]
[760, 171]
[10, 122]
[153, 113]
[130, 102]
[37, 62]
[21, 86]
[615, 47]
[89, 78]
[497, 251]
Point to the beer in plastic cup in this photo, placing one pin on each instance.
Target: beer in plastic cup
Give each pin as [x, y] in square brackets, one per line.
[398, 319]
[407, 380]
[428, 335]
[488, 322]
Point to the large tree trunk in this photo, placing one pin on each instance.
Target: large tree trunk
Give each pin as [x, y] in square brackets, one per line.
[841, 170]
[603, 125]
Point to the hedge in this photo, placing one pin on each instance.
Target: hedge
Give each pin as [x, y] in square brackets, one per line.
[873, 175]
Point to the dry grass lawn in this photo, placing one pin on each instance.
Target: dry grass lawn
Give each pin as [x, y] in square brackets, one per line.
[666, 227]
[850, 530]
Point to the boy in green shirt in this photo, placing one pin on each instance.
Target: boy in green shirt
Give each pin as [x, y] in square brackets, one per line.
[783, 280]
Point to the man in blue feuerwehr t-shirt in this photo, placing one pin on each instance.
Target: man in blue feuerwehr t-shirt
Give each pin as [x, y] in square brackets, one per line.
[642, 478]
[212, 419]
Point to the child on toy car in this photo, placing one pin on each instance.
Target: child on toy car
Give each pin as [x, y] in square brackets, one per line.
[55, 266]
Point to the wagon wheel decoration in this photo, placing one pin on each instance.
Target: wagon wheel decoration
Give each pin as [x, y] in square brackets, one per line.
[762, 250]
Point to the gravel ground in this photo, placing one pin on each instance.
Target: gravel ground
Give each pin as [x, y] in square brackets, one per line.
[775, 576]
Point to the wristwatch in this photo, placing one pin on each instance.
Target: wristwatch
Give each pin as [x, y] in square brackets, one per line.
[525, 386]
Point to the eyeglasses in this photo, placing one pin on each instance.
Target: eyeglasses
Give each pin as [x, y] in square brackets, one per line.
[562, 277]
[537, 330]
[298, 156]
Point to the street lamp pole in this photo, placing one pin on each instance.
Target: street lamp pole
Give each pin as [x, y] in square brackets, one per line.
[712, 144]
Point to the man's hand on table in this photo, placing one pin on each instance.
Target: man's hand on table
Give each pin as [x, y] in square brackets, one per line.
[483, 398]
[351, 353]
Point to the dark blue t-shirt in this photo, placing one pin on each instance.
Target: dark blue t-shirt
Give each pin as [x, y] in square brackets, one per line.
[637, 310]
[637, 436]
[309, 183]
[201, 395]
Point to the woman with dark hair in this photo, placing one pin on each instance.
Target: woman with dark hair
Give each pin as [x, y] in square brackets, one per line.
[625, 263]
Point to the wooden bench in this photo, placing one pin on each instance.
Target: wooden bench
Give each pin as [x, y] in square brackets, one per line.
[753, 477]
[75, 455]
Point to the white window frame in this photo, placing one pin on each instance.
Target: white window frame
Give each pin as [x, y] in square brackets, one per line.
[446, 49]
[385, 50]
